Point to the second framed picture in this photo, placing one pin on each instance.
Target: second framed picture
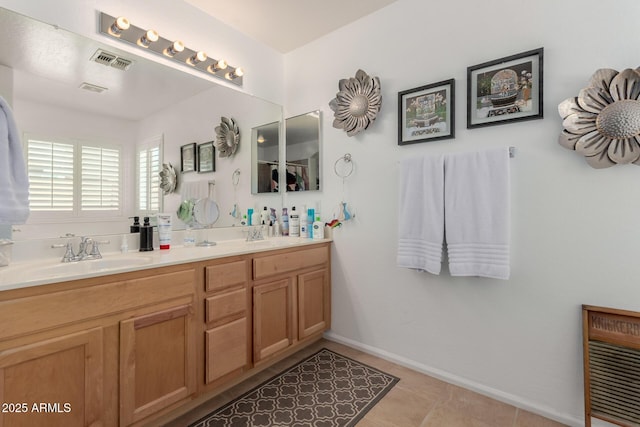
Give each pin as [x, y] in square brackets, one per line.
[505, 90]
[427, 113]
[206, 157]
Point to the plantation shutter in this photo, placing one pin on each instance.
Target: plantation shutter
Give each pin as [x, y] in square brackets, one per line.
[100, 179]
[50, 166]
[149, 166]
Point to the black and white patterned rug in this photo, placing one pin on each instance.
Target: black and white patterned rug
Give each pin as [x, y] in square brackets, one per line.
[324, 390]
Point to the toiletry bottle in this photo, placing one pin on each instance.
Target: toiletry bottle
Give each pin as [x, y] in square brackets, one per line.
[294, 223]
[124, 245]
[318, 228]
[276, 229]
[255, 218]
[164, 230]
[146, 236]
[264, 215]
[135, 228]
[285, 222]
[189, 237]
[311, 216]
[250, 216]
[304, 231]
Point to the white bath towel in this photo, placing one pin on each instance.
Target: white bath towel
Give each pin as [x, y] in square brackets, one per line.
[477, 206]
[421, 215]
[14, 182]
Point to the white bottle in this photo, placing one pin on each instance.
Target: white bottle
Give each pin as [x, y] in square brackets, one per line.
[255, 218]
[318, 229]
[189, 239]
[264, 216]
[294, 223]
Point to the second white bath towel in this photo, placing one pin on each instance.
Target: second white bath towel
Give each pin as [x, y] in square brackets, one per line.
[477, 206]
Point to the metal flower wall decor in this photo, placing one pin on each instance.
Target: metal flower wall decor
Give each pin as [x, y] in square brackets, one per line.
[357, 104]
[227, 137]
[603, 122]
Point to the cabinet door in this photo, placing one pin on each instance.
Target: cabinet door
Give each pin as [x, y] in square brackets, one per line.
[157, 362]
[314, 303]
[56, 382]
[226, 348]
[272, 318]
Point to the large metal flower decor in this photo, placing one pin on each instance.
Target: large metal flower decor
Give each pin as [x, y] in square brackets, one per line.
[227, 137]
[603, 122]
[357, 104]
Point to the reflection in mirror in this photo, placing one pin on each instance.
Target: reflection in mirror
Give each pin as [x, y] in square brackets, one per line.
[265, 153]
[303, 152]
[42, 68]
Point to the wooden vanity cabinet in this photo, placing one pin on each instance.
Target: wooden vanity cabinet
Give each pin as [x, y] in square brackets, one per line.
[291, 298]
[104, 351]
[133, 348]
[56, 381]
[227, 320]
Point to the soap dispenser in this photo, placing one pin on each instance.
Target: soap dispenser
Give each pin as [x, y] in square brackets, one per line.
[146, 236]
[135, 228]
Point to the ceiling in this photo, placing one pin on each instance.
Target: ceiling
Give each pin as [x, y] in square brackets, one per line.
[288, 24]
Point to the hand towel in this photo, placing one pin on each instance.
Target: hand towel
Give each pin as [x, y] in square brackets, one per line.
[477, 208]
[421, 213]
[14, 182]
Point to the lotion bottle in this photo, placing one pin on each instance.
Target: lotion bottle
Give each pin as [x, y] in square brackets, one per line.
[264, 215]
[318, 229]
[294, 223]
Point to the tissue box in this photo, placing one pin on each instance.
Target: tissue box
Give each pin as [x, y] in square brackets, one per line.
[5, 252]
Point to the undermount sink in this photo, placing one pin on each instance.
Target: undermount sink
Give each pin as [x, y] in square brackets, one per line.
[89, 266]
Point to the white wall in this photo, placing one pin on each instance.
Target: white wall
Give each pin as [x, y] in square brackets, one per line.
[575, 235]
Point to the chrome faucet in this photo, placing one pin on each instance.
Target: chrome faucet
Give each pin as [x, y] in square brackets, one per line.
[254, 233]
[88, 249]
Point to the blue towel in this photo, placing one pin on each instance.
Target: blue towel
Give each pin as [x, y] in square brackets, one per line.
[14, 182]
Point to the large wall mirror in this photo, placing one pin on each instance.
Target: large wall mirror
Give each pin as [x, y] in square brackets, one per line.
[148, 101]
[302, 167]
[265, 158]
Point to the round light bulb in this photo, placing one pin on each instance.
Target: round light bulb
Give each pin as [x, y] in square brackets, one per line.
[198, 57]
[176, 47]
[149, 37]
[239, 72]
[121, 24]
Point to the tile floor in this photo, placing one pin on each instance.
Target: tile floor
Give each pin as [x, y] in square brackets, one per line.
[417, 400]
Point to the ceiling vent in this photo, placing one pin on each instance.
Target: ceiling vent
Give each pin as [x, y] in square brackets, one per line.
[112, 60]
[92, 88]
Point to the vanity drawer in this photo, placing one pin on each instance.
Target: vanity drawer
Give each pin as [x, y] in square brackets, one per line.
[271, 265]
[222, 276]
[226, 305]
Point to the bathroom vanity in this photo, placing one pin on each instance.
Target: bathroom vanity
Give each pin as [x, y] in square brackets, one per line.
[126, 346]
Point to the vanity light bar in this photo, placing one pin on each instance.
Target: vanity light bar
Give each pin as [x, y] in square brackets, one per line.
[148, 39]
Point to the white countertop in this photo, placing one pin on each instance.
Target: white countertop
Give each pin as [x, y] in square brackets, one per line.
[33, 273]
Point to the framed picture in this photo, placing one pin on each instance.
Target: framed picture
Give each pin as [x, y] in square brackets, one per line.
[188, 157]
[426, 113]
[505, 90]
[206, 157]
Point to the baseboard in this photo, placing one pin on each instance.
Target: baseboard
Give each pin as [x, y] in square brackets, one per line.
[459, 381]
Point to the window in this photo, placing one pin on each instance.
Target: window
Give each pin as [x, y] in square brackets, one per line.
[73, 178]
[149, 197]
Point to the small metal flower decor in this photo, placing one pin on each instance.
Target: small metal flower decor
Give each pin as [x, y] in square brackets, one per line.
[227, 137]
[603, 122]
[357, 104]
